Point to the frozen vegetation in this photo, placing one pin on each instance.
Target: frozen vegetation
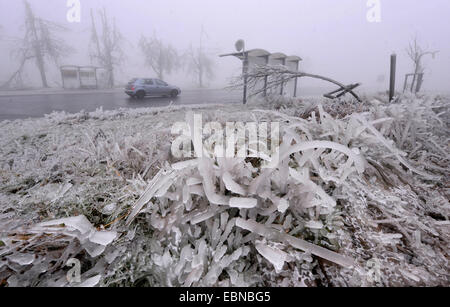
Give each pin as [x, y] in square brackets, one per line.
[359, 198]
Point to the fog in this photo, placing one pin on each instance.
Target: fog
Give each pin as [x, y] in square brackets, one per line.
[334, 38]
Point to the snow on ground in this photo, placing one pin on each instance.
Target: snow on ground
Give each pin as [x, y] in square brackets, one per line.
[359, 198]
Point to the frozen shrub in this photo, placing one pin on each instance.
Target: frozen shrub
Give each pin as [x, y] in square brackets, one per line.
[357, 198]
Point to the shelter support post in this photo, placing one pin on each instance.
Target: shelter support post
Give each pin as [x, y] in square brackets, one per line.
[245, 75]
[266, 78]
[283, 62]
[296, 81]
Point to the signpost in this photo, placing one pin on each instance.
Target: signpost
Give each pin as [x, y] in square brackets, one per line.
[392, 79]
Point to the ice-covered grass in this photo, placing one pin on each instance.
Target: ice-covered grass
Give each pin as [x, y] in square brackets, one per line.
[360, 197]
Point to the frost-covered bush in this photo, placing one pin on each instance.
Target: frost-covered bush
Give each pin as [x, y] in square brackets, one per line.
[304, 107]
[357, 199]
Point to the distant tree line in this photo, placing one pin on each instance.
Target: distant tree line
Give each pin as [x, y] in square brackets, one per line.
[42, 44]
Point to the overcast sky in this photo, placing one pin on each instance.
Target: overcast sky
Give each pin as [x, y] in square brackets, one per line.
[333, 37]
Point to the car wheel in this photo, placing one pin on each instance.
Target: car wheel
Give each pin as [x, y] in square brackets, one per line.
[174, 94]
[140, 95]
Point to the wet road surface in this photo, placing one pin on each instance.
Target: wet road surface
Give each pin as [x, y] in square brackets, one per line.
[21, 106]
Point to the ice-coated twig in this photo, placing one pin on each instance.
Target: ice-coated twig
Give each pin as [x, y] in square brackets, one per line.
[303, 245]
[402, 160]
[163, 178]
[285, 152]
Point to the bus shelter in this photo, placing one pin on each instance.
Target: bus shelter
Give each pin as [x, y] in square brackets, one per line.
[79, 77]
[255, 57]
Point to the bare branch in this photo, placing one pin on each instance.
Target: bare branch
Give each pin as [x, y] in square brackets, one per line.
[416, 53]
[39, 43]
[106, 49]
[199, 64]
[278, 76]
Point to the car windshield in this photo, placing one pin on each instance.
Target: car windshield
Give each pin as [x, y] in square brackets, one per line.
[132, 81]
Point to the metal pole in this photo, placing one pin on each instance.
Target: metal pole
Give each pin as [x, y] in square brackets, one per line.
[266, 78]
[282, 79]
[245, 72]
[392, 80]
[296, 81]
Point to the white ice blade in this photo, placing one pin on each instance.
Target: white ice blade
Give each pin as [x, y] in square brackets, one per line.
[271, 234]
[80, 223]
[243, 203]
[233, 186]
[103, 237]
[274, 255]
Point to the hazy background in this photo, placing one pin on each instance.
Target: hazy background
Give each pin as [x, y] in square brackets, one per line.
[333, 37]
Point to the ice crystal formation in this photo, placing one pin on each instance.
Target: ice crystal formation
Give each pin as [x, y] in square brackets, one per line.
[359, 198]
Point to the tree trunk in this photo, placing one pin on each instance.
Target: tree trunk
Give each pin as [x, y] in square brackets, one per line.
[41, 67]
[36, 45]
[200, 77]
[416, 72]
[111, 80]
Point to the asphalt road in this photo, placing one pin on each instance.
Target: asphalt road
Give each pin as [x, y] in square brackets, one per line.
[21, 106]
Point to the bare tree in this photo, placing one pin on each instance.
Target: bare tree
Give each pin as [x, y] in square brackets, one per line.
[106, 45]
[199, 64]
[39, 43]
[416, 53]
[162, 58]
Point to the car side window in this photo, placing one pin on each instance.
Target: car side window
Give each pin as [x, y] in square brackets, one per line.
[148, 82]
[162, 83]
